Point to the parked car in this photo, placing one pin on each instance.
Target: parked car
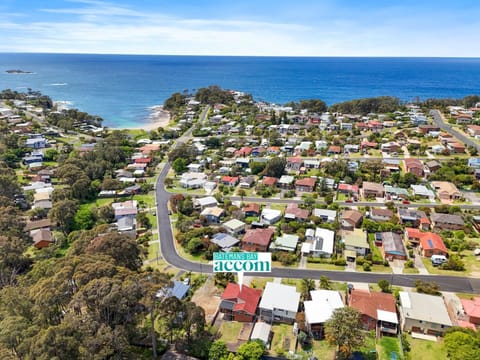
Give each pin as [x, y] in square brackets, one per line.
[405, 202]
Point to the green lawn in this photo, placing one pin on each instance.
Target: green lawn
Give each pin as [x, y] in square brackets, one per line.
[230, 330]
[316, 266]
[293, 282]
[424, 349]
[410, 271]
[147, 200]
[376, 268]
[322, 350]
[283, 338]
[153, 250]
[437, 271]
[386, 346]
[260, 282]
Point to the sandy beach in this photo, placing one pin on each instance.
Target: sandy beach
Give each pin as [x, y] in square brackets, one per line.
[158, 118]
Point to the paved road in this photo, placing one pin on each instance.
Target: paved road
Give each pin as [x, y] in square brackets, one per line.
[440, 121]
[167, 246]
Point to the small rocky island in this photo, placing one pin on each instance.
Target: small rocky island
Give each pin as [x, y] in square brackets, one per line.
[17, 71]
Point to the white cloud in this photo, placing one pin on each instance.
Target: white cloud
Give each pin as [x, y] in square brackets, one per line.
[103, 27]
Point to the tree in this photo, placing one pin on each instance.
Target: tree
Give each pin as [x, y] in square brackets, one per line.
[184, 151]
[179, 165]
[314, 105]
[218, 351]
[344, 329]
[462, 344]
[384, 285]
[325, 283]
[63, 214]
[251, 350]
[306, 285]
[424, 287]
[223, 278]
[275, 167]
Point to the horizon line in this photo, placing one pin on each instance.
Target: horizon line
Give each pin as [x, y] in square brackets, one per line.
[251, 56]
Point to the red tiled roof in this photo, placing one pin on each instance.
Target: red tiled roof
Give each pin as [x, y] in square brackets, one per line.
[335, 149]
[258, 236]
[431, 240]
[230, 179]
[244, 151]
[295, 159]
[413, 233]
[424, 220]
[305, 182]
[246, 299]
[471, 307]
[143, 161]
[412, 163]
[369, 302]
[267, 180]
[466, 325]
[348, 187]
[252, 207]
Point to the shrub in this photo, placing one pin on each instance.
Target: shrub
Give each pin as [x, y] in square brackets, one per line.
[360, 260]
[409, 264]
[367, 266]
[340, 262]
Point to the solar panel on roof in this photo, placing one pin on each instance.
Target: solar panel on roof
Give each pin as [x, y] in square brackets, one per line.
[430, 243]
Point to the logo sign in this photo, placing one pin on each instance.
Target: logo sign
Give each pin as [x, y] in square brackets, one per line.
[241, 262]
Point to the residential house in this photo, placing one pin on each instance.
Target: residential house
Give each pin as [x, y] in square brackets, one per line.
[286, 242]
[213, 214]
[234, 227]
[257, 239]
[446, 191]
[425, 314]
[247, 182]
[348, 189]
[319, 242]
[394, 192]
[279, 303]
[414, 166]
[320, 309]
[381, 215]
[432, 244]
[195, 168]
[378, 311]
[41, 238]
[269, 181]
[286, 181]
[293, 212]
[411, 217]
[471, 308]
[334, 150]
[423, 191]
[224, 241]
[474, 163]
[294, 163]
[178, 289]
[270, 216]
[311, 163]
[392, 246]
[425, 129]
[351, 219]
[243, 162]
[38, 142]
[251, 209]
[355, 241]
[447, 221]
[473, 130]
[413, 235]
[205, 202]
[432, 166]
[371, 189]
[305, 185]
[126, 208]
[230, 180]
[390, 147]
[456, 148]
[193, 180]
[325, 215]
[239, 303]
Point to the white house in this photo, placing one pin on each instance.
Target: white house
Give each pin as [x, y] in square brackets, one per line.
[207, 201]
[320, 243]
[320, 309]
[325, 215]
[270, 216]
[279, 303]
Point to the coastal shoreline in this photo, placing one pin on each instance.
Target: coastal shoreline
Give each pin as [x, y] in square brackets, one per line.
[158, 118]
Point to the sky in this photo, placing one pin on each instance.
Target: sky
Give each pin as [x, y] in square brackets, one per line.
[436, 28]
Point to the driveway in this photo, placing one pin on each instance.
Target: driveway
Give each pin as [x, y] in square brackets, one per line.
[397, 266]
[422, 270]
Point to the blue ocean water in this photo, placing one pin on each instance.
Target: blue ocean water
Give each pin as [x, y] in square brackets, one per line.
[121, 88]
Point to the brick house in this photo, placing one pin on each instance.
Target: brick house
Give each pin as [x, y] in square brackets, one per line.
[240, 305]
[378, 310]
[447, 221]
[257, 239]
[305, 185]
[432, 244]
[373, 189]
[414, 166]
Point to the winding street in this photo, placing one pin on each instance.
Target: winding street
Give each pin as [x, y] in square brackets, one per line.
[171, 256]
[440, 121]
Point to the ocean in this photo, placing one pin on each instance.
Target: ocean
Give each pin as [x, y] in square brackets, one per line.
[122, 88]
